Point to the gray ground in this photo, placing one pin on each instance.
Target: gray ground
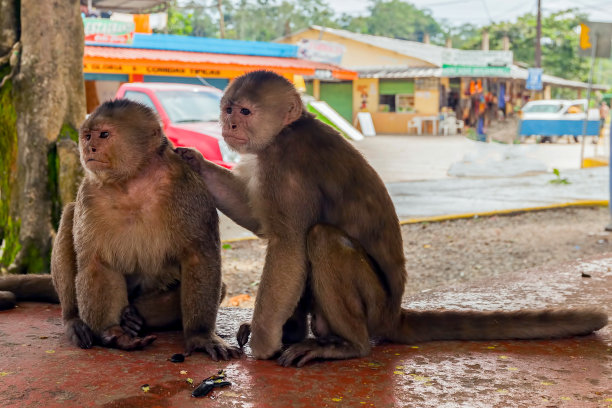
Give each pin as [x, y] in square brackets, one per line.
[445, 253]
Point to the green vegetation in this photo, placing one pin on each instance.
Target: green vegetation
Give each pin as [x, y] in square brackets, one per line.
[558, 179]
[9, 228]
[266, 20]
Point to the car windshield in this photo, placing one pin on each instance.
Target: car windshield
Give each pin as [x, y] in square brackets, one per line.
[190, 106]
[543, 108]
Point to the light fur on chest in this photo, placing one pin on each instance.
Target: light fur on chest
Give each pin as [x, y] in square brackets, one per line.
[248, 172]
[130, 229]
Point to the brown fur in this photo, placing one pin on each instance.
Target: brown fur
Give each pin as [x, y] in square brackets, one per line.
[334, 243]
[141, 242]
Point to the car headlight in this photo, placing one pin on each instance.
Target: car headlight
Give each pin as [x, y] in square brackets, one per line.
[228, 154]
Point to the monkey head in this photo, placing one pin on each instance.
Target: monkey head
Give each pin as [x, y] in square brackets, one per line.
[255, 108]
[118, 139]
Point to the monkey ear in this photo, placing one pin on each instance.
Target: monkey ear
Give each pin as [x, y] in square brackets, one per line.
[294, 110]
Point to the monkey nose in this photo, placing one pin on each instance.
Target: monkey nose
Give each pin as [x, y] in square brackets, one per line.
[233, 126]
[93, 149]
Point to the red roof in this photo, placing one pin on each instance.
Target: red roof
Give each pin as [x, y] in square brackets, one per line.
[249, 62]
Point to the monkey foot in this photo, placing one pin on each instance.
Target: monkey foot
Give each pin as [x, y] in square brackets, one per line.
[213, 345]
[116, 337]
[131, 321]
[79, 333]
[310, 349]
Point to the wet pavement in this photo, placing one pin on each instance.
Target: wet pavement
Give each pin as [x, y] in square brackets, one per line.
[38, 367]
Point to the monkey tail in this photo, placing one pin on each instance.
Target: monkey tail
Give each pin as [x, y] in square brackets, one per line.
[419, 326]
[30, 287]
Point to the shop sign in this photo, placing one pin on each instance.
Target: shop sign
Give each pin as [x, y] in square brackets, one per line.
[476, 63]
[323, 74]
[108, 31]
[321, 51]
[117, 68]
[534, 79]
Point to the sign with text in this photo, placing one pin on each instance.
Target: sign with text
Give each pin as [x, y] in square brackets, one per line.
[476, 63]
[118, 68]
[321, 51]
[534, 79]
[108, 31]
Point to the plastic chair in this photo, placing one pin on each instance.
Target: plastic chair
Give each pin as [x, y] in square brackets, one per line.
[459, 126]
[417, 124]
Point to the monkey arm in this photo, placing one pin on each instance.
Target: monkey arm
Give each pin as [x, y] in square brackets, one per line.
[200, 295]
[101, 292]
[228, 191]
[64, 265]
[282, 283]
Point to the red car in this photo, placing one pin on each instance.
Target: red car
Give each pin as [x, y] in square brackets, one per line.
[189, 115]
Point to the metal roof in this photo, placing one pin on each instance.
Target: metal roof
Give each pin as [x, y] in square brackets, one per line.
[429, 53]
[516, 72]
[127, 6]
[172, 42]
[247, 62]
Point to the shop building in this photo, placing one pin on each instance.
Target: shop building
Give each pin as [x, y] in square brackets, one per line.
[195, 60]
[400, 80]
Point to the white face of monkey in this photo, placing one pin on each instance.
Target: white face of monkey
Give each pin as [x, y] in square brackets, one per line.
[249, 127]
[255, 109]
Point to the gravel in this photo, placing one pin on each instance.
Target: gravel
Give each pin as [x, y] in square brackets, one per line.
[445, 253]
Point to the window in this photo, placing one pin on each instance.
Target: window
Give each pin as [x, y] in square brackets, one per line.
[190, 106]
[140, 97]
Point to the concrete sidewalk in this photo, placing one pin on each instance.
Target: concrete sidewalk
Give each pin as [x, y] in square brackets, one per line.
[415, 172]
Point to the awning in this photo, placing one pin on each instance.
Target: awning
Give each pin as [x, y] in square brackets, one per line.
[516, 72]
[114, 60]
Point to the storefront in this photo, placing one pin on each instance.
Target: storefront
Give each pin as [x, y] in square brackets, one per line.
[170, 58]
[400, 80]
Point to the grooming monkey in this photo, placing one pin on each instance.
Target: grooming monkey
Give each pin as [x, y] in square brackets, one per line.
[334, 241]
[140, 246]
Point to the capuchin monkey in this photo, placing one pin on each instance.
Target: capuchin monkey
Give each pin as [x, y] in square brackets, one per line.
[140, 246]
[334, 243]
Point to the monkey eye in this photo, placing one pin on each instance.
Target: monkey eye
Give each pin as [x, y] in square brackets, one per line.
[88, 136]
[103, 135]
[228, 110]
[245, 111]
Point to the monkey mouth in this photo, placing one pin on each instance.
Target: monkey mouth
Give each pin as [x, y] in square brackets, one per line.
[234, 140]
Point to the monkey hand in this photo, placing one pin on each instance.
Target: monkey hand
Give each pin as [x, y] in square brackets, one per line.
[79, 333]
[192, 157]
[131, 321]
[214, 345]
[243, 334]
[116, 337]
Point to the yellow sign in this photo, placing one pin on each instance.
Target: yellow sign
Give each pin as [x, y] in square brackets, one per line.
[114, 68]
[585, 41]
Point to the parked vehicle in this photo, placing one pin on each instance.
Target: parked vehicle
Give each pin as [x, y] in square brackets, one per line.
[189, 115]
[557, 117]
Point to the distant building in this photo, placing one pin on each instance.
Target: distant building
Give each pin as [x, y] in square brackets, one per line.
[400, 80]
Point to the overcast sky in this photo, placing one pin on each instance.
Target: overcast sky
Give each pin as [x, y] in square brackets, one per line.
[482, 12]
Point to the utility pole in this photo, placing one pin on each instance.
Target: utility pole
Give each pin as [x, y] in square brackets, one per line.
[221, 22]
[538, 49]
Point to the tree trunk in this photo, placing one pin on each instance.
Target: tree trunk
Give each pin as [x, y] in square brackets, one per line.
[49, 100]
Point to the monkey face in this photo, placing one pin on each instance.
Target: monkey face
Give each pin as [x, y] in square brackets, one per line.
[94, 145]
[236, 120]
[118, 138]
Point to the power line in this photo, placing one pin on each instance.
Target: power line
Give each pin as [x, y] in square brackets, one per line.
[484, 3]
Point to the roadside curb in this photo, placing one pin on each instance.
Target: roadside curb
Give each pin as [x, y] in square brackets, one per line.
[439, 218]
[449, 217]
